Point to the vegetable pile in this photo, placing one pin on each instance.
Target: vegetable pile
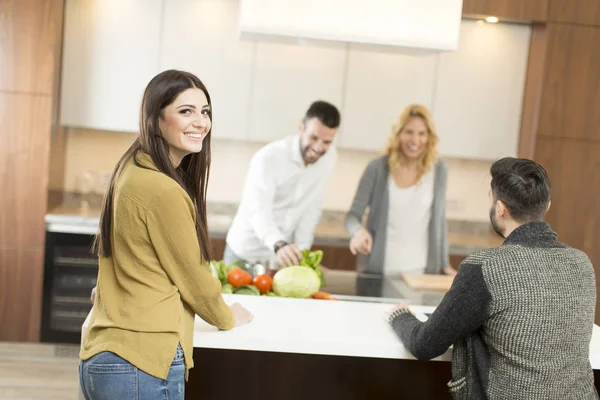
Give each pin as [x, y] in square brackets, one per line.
[298, 281]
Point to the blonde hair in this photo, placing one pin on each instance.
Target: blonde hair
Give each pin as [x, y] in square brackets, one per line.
[394, 150]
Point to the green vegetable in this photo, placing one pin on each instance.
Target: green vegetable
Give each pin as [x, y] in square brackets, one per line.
[220, 270]
[213, 269]
[312, 259]
[227, 288]
[297, 281]
[240, 264]
[270, 294]
[247, 289]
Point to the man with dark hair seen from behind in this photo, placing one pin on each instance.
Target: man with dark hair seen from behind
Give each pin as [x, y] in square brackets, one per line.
[283, 195]
[520, 316]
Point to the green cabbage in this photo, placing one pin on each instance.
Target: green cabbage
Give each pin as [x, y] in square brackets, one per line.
[297, 281]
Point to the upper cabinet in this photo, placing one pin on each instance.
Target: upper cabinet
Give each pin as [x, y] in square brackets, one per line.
[287, 78]
[479, 91]
[261, 86]
[201, 37]
[380, 82]
[111, 51]
[475, 93]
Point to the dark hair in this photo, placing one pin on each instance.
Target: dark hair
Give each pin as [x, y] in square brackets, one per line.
[192, 174]
[326, 112]
[523, 186]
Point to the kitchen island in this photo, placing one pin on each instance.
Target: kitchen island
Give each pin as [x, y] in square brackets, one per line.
[300, 349]
[317, 349]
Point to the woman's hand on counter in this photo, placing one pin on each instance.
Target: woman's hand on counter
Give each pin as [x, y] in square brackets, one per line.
[361, 242]
[242, 315]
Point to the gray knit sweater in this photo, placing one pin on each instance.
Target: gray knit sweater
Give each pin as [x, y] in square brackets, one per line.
[520, 317]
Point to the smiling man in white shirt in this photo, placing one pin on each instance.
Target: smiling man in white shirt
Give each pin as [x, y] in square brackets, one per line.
[284, 190]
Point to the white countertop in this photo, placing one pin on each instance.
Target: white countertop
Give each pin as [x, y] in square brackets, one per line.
[342, 328]
[309, 326]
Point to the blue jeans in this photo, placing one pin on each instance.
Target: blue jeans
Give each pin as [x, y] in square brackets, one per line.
[108, 376]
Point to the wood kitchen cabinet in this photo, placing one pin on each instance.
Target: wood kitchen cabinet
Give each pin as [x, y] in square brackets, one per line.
[337, 257]
[30, 37]
[511, 10]
[340, 258]
[218, 247]
[29, 42]
[455, 260]
[581, 12]
[110, 53]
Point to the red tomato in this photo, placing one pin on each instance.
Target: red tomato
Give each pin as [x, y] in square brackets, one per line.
[263, 282]
[238, 277]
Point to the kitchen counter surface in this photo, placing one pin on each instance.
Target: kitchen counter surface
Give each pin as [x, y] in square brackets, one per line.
[71, 213]
[340, 328]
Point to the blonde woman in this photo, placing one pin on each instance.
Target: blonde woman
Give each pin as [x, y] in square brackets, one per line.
[405, 190]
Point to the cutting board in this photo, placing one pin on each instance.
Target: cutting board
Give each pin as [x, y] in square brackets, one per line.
[440, 283]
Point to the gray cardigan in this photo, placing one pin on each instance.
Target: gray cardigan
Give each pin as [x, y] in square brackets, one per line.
[372, 192]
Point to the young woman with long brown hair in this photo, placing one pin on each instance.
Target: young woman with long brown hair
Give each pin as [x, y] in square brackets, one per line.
[153, 248]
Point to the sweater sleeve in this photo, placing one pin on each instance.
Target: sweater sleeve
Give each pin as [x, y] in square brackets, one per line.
[462, 311]
[171, 226]
[443, 182]
[362, 199]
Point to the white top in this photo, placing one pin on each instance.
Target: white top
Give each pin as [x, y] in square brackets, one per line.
[306, 326]
[282, 200]
[409, 212]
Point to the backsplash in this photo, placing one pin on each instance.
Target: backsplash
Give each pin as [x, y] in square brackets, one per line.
[94, 153]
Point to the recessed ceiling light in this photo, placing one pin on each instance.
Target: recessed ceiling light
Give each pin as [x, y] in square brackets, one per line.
[491, 20]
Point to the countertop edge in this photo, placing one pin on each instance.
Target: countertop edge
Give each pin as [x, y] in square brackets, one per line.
[207, 336]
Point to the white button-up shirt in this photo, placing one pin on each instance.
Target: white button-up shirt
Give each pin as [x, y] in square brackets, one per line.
[282, 200]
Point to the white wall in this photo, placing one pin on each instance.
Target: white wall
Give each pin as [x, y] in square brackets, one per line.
[97, 152]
